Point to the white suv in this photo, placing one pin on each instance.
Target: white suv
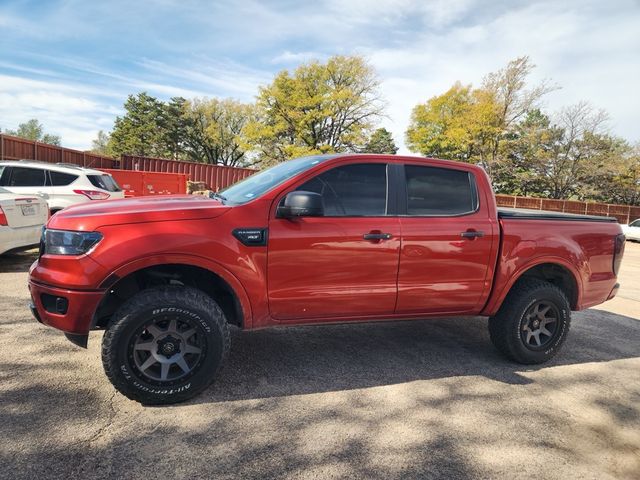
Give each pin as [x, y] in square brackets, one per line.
[59, 184]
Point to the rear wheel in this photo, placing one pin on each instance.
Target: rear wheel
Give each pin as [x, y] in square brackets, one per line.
[532, 323]
[165, 345]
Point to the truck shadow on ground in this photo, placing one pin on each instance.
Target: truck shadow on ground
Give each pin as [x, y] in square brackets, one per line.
[303, 360]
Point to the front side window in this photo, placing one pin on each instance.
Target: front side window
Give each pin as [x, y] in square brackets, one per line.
[26, 177]
[439, 191]
[635, 223]
[355, 190]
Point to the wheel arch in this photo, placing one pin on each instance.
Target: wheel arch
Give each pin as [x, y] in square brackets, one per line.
[553, 270]
[200, 273]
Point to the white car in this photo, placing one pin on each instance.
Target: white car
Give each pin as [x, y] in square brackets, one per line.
[632, 231]
[21, 220]
[60, 185]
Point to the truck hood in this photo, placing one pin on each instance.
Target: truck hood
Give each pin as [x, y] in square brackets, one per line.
[91, 215]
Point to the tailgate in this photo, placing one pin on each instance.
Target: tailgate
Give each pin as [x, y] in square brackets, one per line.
[24, 211]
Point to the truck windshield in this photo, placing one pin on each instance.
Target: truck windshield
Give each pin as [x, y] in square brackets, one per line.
[255, 185]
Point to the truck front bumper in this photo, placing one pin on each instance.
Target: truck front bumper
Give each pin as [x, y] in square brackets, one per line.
[68, 310]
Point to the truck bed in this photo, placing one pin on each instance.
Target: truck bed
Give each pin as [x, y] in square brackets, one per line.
[526, 214]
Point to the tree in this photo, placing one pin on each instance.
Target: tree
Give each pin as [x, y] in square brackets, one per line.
[100, 144]
[381, 141]
[321, 108]
[439, 127]
[580, 151]
[141, 130]
[472, 125]
[34, 130]
[215, 130]
[528, 149]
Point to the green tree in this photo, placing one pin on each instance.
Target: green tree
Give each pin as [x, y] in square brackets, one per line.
[174, 129]
[440, 128]
[320, 108]
[215, 130]
[381, 141]
[472, 125]
[141, 131]
[528, 148]
[100, 144]
[34, 130]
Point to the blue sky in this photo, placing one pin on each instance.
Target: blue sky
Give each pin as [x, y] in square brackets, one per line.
[71, 63]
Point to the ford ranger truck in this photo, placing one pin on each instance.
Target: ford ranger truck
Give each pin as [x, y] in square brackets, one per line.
[315, 240]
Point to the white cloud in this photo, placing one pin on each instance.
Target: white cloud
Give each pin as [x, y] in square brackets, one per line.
[228, 48]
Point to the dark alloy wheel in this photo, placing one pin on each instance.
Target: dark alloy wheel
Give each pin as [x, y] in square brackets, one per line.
[165, 344]
[539, 325]
[168, 348]
[532, 323]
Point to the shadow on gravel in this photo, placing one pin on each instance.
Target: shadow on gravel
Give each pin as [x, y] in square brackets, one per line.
[60, 426]
[303, 360]
[17, 261]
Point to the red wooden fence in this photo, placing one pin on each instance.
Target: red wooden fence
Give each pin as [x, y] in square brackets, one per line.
[215, 176]
[624, 213]
[14, 148]
[139, 184]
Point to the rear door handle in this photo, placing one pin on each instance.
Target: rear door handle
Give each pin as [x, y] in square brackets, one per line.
[472, 234]
[377, 236]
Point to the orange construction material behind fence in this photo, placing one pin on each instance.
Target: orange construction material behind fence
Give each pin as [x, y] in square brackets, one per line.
[624, 213]
[14, 148]
[138, 184]
[214, 176]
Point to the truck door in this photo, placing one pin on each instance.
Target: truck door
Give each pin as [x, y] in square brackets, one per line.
[447, 242]
[343, 264]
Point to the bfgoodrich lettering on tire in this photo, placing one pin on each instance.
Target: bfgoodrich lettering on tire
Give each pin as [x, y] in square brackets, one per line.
[532, 323]
[165, 345]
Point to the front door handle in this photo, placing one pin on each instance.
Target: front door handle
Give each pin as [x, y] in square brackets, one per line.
[472, 234]
[377, 236]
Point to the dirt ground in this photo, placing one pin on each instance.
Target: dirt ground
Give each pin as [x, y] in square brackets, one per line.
[422, 399]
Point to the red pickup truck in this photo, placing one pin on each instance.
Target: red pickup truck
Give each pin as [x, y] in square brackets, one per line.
[315, 240]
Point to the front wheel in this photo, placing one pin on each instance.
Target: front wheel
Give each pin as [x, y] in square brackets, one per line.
[165, 345]
[532, 323]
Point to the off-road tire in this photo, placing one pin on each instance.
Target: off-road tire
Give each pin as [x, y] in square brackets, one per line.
[507, 326]
[188, 305]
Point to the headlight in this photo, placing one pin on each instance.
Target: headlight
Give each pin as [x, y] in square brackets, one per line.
[64, 242]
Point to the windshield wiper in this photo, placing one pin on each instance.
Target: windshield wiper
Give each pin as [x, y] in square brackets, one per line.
[217, 196]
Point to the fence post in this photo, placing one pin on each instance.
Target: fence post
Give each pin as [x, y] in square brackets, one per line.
[35, 150]
[1, 147]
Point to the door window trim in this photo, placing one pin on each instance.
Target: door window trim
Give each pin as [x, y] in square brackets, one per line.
[403, 193]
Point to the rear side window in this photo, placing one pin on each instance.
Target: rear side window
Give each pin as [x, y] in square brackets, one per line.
[439, 191]
[105, 182]
[60, 179]
[4, 175]
[26, 177]
[352, 191]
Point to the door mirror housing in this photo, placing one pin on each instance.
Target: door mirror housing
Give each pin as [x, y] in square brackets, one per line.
[301, 204]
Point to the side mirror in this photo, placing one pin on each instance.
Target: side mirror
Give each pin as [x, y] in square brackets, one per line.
[301, 204]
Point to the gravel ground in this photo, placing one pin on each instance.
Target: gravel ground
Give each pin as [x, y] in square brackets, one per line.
[406, 400]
